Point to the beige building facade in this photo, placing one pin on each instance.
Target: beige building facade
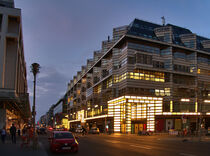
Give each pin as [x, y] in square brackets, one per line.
[14, 98]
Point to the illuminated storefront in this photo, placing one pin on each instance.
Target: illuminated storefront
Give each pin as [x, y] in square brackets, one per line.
[127, 108]
[131, 114]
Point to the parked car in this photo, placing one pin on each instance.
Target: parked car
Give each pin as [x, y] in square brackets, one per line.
[63, 141]
[144, 132]
[41, 131]
[94, 130]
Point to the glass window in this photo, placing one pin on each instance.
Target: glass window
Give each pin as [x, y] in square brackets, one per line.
[144, 48]
[167, 37]
[190, 44]
[165, 52]
[179, 55]
[63, 135]
[131, 60]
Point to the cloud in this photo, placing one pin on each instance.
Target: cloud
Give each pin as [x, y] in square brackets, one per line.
[51, 86]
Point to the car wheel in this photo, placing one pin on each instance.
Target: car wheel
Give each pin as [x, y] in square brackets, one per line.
[52, 150]
[75, 150]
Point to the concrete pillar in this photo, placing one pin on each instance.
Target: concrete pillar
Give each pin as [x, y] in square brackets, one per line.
[2, 118]
[2, 49]
[128, 117]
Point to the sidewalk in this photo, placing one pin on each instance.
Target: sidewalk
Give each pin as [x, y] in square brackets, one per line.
[9, 149]
[162, 136]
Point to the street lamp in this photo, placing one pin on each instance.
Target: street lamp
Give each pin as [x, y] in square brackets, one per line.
[35, 70]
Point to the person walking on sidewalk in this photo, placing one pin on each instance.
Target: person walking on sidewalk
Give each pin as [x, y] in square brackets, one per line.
[19, 132]
[24, 137]
[13, 133]
[3, 135]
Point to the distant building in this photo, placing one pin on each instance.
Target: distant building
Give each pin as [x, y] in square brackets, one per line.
[43, 120]
[60, 116]
[14, 97]
[50, 116]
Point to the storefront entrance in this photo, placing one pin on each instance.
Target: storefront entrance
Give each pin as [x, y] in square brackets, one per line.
[127, 109]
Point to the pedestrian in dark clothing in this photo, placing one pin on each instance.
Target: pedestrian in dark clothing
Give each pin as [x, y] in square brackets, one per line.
[83, 131]
[18, 132]
[13, 133]
[3, 135]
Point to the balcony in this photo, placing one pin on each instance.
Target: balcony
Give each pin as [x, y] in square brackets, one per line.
[6, 94]
[89, 92]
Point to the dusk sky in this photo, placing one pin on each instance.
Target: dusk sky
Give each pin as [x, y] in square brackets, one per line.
[61, 35]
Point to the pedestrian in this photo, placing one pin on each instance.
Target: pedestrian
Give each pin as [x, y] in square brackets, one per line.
[18, 132]
[83, 130]
[3, 135]
[24, 138]
[29, 134]
[13, 133]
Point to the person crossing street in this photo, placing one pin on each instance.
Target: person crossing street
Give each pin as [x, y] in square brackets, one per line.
[13, 133]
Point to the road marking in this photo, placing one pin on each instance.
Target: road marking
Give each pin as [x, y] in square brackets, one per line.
[139, 146]
[185, 154]
[139, 139]
[113, 141]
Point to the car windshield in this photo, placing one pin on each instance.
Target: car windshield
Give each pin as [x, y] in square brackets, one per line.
[63, 135]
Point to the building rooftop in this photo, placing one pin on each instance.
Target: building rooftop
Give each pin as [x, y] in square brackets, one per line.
[147, 29]
[7, 3]
[142, 28]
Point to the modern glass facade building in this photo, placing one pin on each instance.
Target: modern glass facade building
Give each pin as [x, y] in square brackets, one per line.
[147, 77]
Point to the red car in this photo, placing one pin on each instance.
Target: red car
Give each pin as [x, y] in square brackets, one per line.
[63, 141]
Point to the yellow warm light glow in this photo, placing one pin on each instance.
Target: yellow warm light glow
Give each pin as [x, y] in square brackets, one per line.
[171, 106]
[207, 101]
[199, 71]
[181, 113]
[96, 117]
[185, 100]
[73, 121]
[196, 106]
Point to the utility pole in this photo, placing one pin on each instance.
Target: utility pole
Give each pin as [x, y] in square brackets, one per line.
[35, 70]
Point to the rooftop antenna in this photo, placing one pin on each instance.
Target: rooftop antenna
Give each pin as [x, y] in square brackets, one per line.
[163, 20]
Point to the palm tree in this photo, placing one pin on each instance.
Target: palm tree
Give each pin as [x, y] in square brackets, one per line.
[35, 70]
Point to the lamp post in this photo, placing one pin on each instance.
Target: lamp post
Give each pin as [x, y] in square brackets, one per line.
[35, 70]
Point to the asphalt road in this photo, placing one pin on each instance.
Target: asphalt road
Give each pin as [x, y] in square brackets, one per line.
[132, 145]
